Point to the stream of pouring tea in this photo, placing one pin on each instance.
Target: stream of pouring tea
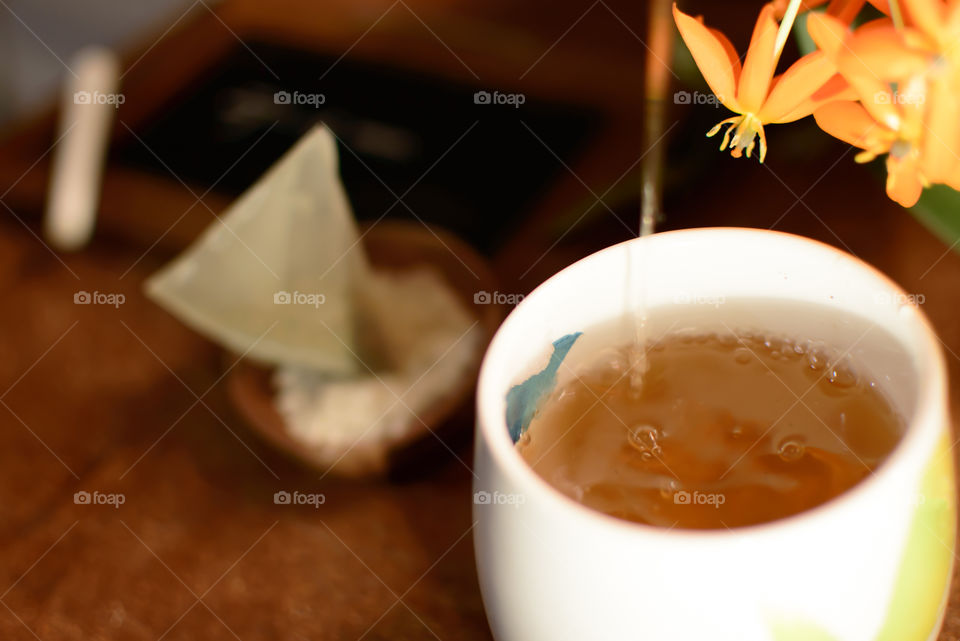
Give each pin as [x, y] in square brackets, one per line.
[636, 285]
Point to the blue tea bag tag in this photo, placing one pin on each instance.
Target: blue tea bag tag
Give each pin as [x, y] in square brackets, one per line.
[524, 400]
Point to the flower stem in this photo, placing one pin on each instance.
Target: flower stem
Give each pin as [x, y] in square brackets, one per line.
[657, 84]
[786, 25]
[895, 14]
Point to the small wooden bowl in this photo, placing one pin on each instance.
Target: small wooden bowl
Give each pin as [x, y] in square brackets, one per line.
[390, 246]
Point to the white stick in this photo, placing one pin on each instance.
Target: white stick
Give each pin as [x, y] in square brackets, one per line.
[87, 111]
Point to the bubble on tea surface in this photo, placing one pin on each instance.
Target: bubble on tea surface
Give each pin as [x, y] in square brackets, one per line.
[644, 436]
[817, 360]
[645, 439]
[668, 488]
[787, 349]
[791, 449]
[842, 375]
[742, 355]
[728, 341]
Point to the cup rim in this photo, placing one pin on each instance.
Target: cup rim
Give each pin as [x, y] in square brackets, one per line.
[931, 398]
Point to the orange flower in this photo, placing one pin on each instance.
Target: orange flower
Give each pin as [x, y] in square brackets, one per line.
[906, 79]
[851, 122]
[751, 91]
[932, 42]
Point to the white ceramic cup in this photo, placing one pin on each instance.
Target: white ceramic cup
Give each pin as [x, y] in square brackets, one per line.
[871, 564]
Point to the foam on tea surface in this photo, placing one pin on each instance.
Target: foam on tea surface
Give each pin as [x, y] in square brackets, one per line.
[724, 431]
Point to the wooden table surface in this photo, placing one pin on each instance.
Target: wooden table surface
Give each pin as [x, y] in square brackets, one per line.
[127, 401]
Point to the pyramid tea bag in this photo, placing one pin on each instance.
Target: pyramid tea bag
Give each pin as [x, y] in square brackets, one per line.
[358, 356]
[274, 279]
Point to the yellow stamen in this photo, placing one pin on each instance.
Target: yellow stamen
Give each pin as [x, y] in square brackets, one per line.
[744, 129]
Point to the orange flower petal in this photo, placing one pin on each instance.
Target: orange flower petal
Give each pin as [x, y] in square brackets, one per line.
[836, 88]
[847, 121]
[911, 99]
[953, 18]
[759, 65]
[879, 23]
[828, 33]
[877, 99]
[845, 10]
[903, 181]
[941, 147]
[731, 51]
[883, 53]
[795, 85]
[712, 55]
[928, 16]
[953, 180]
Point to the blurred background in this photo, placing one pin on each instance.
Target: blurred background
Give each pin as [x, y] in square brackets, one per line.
[37, 36]
[517, 127]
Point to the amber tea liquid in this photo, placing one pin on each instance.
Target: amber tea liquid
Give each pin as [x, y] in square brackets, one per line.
[727, 429]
